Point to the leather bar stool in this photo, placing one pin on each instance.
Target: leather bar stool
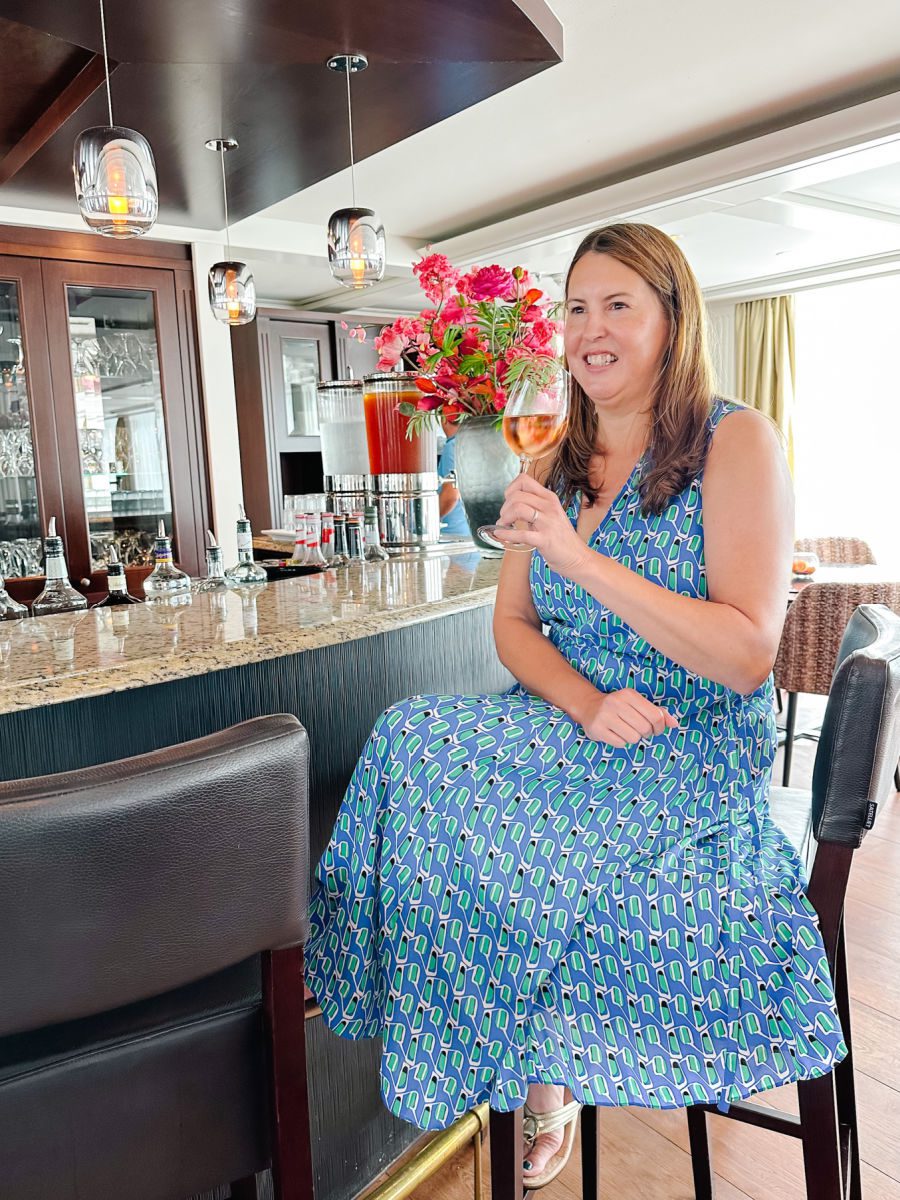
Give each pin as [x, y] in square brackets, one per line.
[151, 950]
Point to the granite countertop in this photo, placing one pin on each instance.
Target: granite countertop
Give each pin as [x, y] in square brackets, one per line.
[68, 657]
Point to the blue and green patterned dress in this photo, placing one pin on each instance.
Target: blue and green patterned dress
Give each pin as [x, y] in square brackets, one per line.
[503, 900]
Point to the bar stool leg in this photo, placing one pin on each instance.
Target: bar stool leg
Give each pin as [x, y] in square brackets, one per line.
[590, 1153]
[821, 1138]
[701, 1162]
[790, 722]
[843, 1073]
[507, 1144]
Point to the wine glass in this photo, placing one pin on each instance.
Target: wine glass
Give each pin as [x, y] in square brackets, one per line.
[534, 422]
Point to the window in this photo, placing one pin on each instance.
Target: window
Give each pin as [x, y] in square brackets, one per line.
[847, 413]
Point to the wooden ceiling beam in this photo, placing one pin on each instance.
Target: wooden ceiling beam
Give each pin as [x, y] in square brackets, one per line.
[70, 99]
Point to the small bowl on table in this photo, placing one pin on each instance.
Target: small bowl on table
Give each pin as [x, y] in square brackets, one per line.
[804, 564]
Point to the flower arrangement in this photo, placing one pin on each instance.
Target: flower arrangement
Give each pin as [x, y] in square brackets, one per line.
[482, 330]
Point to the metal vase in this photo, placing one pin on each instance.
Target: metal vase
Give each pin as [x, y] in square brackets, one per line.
[485, 467]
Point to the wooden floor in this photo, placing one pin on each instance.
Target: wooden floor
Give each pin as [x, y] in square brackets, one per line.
[645, 1154]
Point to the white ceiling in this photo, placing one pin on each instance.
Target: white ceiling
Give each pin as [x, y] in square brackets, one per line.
[641, 79]
[644, 85]
[643, 82]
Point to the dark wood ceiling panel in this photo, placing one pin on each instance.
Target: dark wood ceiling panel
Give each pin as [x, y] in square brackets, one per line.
[34, 69]
[298, 31]
[428, 60]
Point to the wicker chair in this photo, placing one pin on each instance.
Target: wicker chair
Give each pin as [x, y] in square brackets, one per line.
[810, 640]
[834, 551]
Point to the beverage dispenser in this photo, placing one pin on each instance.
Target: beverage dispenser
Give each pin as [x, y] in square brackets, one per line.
[404, 470]
[345, 451]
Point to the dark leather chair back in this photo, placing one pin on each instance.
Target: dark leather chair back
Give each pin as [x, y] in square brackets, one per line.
[136, 900]
[860, 741]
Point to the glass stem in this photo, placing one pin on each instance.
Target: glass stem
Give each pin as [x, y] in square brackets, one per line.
[524, 463]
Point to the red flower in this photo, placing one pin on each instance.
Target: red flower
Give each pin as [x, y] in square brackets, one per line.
[490, 283]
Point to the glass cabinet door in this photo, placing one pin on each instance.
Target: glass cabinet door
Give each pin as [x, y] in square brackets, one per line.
[302, 371]
[120, 421]
[21, 548]
[128, 422]
[300, 355]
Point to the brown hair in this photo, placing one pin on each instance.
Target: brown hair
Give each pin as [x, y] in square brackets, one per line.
[685, 387]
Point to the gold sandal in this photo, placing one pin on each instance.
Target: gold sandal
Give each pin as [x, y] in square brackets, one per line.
[534, 1124]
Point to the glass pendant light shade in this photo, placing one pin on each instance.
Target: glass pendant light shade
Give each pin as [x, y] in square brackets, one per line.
[232, 293]
[115, 181]
[356, 247]
[356, 252]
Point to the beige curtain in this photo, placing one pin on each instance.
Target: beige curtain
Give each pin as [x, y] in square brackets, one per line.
[764, 350]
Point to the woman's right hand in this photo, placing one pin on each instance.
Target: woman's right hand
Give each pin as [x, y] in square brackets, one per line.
[624, 717]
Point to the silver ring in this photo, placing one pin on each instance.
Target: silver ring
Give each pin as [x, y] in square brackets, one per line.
[535, 517]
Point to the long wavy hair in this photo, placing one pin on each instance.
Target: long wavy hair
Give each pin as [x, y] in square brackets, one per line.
[684, 389]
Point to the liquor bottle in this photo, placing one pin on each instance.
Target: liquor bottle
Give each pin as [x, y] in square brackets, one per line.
[10, 610]
[246, 570]
[314, 555]
[356, 544]
[328, 537]
[299, 555]
[374, 551]
[165, 579]
[58, 596]
[115, 581]
[341, 557]
[215, 580]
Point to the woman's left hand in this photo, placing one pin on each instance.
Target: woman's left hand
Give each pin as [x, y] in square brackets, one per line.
[549, 529]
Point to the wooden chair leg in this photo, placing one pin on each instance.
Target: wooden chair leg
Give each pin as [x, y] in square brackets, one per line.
[283, 999]
[507, 1144]
[246, 1189]
[843, 1073]
[590, 1153]
[821, 1138]
[789, 724]
[701, 1161]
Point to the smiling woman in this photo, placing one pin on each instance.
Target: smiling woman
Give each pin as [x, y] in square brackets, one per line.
[513, 876]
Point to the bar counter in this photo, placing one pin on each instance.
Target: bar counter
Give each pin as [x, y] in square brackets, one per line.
[61, 658]
[334, 649]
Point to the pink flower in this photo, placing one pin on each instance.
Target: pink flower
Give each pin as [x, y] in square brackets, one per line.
[454, 313]
[541, 333]
[437, 276]
[428, 403]
[390, 346]
[490, 283]
[499, 400]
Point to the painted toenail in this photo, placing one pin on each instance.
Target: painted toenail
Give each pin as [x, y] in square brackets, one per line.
[526, 1165]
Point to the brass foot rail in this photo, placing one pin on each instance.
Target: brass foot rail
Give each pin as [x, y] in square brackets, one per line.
[439, 1150]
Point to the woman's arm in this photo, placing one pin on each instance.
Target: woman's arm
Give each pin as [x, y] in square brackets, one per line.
[617, 718]
[748, 517]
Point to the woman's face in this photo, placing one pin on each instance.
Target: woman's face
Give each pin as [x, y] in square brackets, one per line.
[616, 332]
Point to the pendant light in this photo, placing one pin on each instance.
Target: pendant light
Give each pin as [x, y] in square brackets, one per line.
[355, 235]
[115, 176]
[232, 292]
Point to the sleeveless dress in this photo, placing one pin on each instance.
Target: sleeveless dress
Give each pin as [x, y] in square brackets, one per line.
[504, 900]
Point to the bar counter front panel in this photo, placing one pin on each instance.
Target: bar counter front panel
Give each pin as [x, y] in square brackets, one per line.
[335, 653]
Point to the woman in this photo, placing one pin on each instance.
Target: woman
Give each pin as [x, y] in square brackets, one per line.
[577, 885]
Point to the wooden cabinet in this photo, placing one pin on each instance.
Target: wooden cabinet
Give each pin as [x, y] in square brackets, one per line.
[278, 360]
[100, 421]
